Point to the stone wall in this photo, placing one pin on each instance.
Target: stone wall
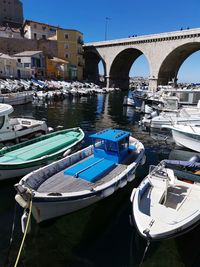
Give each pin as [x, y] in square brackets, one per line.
[12, 46]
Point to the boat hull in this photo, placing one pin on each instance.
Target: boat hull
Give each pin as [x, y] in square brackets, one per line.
[185, 140]
[14, 173]
[158, 123]
[158, 215]
[56, 193]
[45, 209]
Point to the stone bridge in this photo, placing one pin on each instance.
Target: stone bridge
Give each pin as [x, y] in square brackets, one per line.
[165, 53]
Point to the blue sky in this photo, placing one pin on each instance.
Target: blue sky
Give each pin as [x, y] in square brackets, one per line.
[128, 17]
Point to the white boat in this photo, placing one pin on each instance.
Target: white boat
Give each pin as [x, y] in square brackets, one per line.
[186, 136]
[82, 178]
[18, 98]
[167, 202]
[186, 115]
[14, 129]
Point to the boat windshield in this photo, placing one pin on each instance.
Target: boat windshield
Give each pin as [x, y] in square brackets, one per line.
[99, 143]
[123, 144]
[111, 146]
[2, 119]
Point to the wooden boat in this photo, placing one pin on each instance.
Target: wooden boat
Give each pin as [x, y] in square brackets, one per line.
[14, 129]
[20, 159]
[84, 177]
[186, 136]
[167, 202]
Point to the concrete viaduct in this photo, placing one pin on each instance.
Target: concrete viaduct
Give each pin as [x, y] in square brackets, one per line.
[165, 53]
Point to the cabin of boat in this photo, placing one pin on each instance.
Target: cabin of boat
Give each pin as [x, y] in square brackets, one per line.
[111, 147]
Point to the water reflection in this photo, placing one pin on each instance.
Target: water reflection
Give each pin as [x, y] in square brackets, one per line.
[101, 234]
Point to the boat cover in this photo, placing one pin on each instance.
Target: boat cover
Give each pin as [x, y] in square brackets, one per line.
[91, 169]
[181, 163]
[41, 148]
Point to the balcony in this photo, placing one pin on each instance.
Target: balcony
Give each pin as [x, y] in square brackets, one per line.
[80, 41]
[80, 52]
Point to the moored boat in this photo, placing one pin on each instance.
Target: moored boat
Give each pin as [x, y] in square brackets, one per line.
[187, 136]
[84, 177]
[167, 202]
[13, 129]
[18, 98]
[20, 159]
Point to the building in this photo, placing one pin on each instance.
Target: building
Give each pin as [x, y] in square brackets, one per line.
[30, 64]
[10, 32]
[70, 48]
[8, 66]
[57, 68]
[11, 13]
[36, 30]
[69, 45]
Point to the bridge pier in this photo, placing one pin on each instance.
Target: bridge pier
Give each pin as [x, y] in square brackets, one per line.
[153, 84]
[117, 83]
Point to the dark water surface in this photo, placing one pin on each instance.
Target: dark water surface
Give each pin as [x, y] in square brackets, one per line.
[99, 235]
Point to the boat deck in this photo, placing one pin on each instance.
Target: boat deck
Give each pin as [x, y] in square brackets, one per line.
[62, 183]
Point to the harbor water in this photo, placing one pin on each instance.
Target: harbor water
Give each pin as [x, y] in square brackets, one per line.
[100, 235]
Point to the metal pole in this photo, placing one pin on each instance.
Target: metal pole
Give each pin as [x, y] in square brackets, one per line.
[106, 27]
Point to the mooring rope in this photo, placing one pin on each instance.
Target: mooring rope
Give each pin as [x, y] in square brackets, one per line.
[145, 251]
[25, 232]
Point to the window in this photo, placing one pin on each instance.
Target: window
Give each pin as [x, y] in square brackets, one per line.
[99, 143]
[35, 35]
[19, 60]
[66, 35]
[26, 65]
[43, 36]
[2, 119]
[66, 46]
[66, 55]
[123, 144]
[52, 30]
[111, 146]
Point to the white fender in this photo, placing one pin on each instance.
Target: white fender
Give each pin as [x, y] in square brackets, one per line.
[143, 160]
[133, 194]
[107, 192]
[24, 219]
[23, 203]
[131, 177]
[122, 183]
[67, 152]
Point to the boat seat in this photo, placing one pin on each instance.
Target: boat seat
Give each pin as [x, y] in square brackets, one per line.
[75, 169]
[96, 171]
[42, 148]
[90, 169]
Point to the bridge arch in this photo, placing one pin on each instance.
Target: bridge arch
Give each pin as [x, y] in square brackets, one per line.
[121, 65]
[91, 71]
[171, 64]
